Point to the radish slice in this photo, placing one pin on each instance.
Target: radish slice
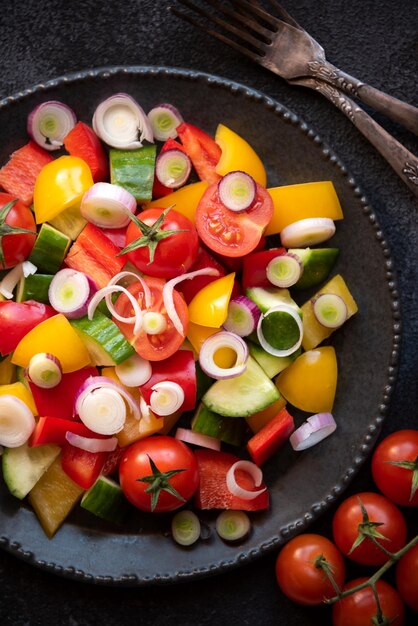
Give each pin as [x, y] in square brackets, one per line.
[154, 323]
[107, 206]
[168, 294]
[285, 270]
[164, 120]
[166, 398]
[256, 474]
[49, 123]
[173, 168]
[106, 292]
[70, 292]
[307, 232]
[243, 316]
[330, 310]
[266, 344]
[16, 421]
[212, 344]
[121, 123]
[204, 441]
[237, 191]
[135, 371]
[315, 429]
[10, 281]
[233, 525]
[45, 370]
[90, 444]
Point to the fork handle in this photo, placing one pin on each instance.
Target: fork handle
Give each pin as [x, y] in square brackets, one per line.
[402, 161]
[401, 112]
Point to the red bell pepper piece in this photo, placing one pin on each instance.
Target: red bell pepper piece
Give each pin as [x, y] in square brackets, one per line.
[81, 466]
[255, 265]
[179, 368]
[83, 142]
[190, 288]
[17, 319]
[20, 172]
[159, 190]
[94, 254]
[59, 401]
[235, 264]
[213, 492]
[203, 151]
[271, 437]
[53, 429]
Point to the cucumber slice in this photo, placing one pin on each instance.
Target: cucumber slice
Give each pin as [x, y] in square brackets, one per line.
[49, 250]
[69, 222]
[243, 395]
[317, 265]
[272, 365]
[104, 341]
[34, 287]
[267, 298]
[227, 429]
[134, 170]
[106, 500]
[24, 466]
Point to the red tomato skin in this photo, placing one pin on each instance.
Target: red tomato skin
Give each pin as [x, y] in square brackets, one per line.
[407, 578]
[348, 516]
[296, 574]
[168, 454]
[17, 319]
[230, 233]
[395, 482]
[359, 608]
[174, 255]
[17, 248]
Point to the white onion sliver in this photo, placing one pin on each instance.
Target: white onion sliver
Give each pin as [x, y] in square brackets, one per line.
[9, 282]
[101, 382]
[102, 410]
[197, 439]
[90, 444]
[168, 294]
[286, 308]
[134, 371]
[49, 123]
[107, 292]
[166, 398]
[122, 112]
[28, 268]
[223, 339]
[307, 232]
[145, 409]
[315, 429]
[145, 288]
[256, 474]
[16, 421]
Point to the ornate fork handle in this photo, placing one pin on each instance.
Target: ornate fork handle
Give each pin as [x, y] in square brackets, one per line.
[403, 162]
[401, 112]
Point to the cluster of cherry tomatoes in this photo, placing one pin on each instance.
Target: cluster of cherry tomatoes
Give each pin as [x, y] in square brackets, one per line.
[368, 528]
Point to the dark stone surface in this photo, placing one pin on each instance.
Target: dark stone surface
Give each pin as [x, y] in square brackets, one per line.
[375, 41]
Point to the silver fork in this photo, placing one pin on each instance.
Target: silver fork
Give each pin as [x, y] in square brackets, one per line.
[285, 48]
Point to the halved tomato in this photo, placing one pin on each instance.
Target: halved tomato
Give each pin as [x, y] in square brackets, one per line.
[231, 233]
[153, 347]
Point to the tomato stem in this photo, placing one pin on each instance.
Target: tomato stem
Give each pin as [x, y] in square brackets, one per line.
[321, 563]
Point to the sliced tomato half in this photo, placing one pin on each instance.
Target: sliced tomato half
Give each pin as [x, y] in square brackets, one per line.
[232, 233]
[152, 347]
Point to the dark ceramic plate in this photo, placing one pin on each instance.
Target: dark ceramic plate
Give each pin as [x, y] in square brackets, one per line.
[302, 485]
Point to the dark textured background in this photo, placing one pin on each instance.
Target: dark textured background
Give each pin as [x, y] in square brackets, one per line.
[376, 41]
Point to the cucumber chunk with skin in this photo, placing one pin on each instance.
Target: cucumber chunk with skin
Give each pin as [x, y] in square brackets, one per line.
[134, 170]
[272, 365]
[34, 287]
[317, 265]
[24, 466]
[106, 500]
[49, 250]
[267, 298]
[243, 395]
[227, 429]
[103, 339]
[70, 222]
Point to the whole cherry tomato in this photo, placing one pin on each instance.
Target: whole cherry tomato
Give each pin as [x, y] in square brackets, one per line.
[395, 481]
[298, 576]
[407, 578]
[360, 608]
[384, 518]
[15, 247]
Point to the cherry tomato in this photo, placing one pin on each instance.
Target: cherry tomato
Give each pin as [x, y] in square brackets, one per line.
[407, 578]
[17, 319]
[231, 233]
[348, 517]
[396, 482]
[296, 573]
[166, 343]
[359, 608]
[174, 255]
[168, 455]
[16, 247]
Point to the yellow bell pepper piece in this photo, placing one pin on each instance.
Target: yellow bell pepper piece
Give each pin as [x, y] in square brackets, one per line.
[55, 336]
[313, 332]
[209, 307]
[7, 371]
[298, 202]
[257, 421]
[60, 185]
[310, 382]
[184, 200]
[19, 390]
[196, 334]
[237, 154]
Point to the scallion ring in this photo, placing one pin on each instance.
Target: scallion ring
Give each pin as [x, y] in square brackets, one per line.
[209, 348]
